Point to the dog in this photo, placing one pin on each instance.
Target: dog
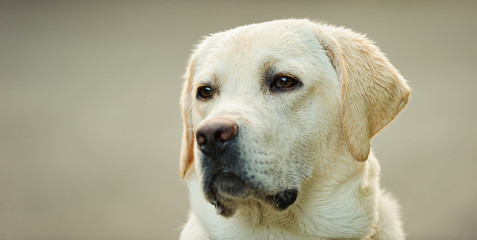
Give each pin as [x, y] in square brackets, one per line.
[278, 118]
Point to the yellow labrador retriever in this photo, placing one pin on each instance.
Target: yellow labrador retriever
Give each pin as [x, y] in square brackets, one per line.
[278, 118]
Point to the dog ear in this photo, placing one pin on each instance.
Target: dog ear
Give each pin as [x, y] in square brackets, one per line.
[188, 135]
[187, 147]
[372, 93]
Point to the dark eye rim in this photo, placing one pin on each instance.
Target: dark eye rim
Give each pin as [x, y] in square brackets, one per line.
[200, 94]
[275, 88]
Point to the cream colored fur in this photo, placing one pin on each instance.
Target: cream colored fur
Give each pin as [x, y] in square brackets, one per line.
[316, 138]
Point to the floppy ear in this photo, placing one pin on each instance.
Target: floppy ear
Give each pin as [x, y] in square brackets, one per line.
[187, 147]
[373, 92]
[188, 135]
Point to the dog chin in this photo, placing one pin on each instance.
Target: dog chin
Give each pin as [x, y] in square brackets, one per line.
[226, 192]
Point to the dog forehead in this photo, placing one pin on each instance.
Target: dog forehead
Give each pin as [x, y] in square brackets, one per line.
[276, 37]
[253, 47]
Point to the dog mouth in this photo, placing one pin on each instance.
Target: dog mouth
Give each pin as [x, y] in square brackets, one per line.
[226, 191]
[284, 199]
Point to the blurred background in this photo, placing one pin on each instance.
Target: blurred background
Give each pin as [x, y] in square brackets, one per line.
[90, 124]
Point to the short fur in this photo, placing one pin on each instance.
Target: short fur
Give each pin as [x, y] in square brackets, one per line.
[315, 138]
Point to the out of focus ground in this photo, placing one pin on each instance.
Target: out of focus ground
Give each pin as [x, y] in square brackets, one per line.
[90, 124]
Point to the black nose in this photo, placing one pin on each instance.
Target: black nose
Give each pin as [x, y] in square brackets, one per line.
[214, 134]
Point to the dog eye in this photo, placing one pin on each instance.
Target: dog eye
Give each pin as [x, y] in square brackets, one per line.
[284, 82]
[204, 92]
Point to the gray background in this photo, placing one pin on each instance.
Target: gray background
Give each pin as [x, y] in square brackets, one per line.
[90, 124]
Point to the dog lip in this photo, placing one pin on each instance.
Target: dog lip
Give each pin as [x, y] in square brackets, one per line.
[223, 189]
[284, 199]
[229, 185]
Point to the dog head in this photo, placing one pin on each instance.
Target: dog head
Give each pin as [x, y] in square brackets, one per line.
[261, 102]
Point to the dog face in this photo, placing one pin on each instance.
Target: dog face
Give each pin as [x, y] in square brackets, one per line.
[261, 102]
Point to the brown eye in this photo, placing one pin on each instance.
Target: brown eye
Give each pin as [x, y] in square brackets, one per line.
[284, 83]
[204, 92]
